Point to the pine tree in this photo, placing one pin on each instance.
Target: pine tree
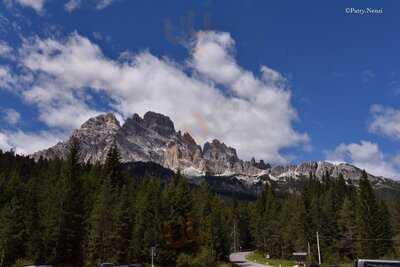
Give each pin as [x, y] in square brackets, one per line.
[347, 229]
[148, 229]
[329, 231]
[394, 210]
[384, 231]
[367, 219]
[244, 220]
[123, 225]
[50, 216]
[265, 224]
[32, 225]
[312, 198]
[70, 245]
[112, 167]
[201, 211]
[100, 246]
[292, 226]
[178, 225]
[12, 232]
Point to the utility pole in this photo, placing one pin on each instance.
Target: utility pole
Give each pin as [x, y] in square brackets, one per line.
[2, 258]
[319, 251]
[234, 237]
[153, 251]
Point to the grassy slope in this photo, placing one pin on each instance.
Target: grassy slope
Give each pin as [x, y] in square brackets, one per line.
[259, 258]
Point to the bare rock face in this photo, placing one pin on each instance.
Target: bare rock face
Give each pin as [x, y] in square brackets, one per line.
[159, 123]
[318, 169]
[220, 158]
[95, 136]
[153, 138]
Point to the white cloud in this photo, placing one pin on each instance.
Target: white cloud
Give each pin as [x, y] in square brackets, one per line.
[11, 116]
[37, 5]
[366, 155]
[27, 143]
[6, 78]
[396, 160]
[104, 3]
[385, 121]
[73, 5]
[5, 49]
[250, 113]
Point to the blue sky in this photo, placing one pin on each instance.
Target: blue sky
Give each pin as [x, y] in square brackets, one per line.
[333, 77]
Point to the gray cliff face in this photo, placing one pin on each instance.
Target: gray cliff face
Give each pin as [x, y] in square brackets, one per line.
[95, 136]
[154, 138]
[319, 169]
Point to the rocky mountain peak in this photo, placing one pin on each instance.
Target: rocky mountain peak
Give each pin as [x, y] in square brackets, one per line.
[153, 138]
[135, 119]
[160, 123]
[260, 165]
[101, 121]
[219, 151]
[95, 137]
[133, 125]
[188, 139]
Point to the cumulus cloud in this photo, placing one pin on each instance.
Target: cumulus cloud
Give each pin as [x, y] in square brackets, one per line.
[366, 155]
[5, 49]
[104, 3]
[385, 121]
[27, 143]
[37, 5]
[7, 80]
[72, 5]
[11, 116]
[209, 95]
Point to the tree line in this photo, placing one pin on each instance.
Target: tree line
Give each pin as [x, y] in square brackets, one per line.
[67, 213]
[351, 221]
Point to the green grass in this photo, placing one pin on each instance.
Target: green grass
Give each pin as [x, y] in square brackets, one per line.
[221, 264]
[259, 258]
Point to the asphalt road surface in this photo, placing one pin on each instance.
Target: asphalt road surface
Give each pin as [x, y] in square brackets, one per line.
[239, 259]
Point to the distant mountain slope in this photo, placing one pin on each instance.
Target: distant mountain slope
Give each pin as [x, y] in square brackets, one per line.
[154, 138]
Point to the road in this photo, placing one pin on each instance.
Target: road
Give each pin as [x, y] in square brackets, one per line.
[239, 259]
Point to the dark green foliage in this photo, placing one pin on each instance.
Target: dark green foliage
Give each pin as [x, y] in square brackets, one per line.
[70, 243]
[351, 223]
[66, 213]
[368, 220]
[147, 229]
[384, 231]
[347, 228]
[112, 167]
[266, 222]
[293, 223]
[12, 232]
[100, 243]
[178, 225]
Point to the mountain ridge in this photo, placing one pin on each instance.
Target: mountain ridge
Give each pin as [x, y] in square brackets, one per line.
[153, 138]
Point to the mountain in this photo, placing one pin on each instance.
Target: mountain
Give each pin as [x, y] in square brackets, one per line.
[154, 138]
